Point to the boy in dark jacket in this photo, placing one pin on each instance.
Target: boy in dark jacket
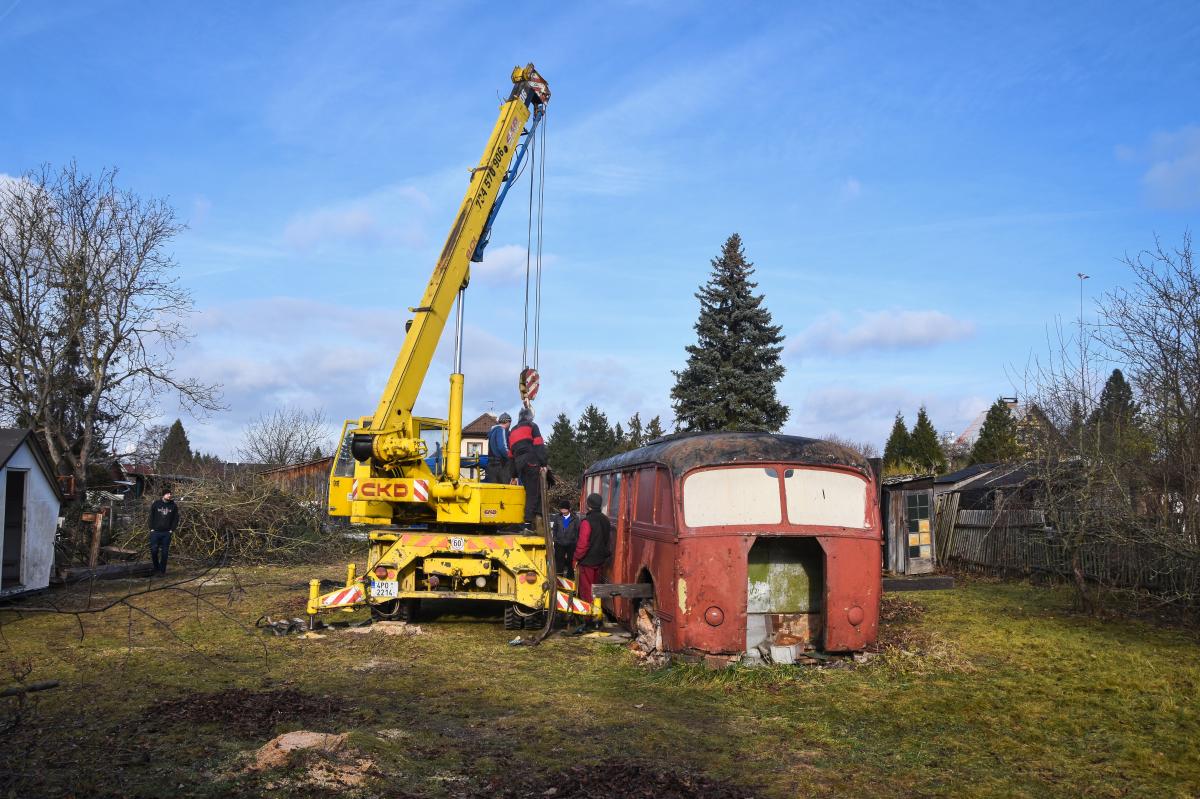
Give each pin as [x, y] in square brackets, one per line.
[566, 535]
[528, 451]
[164, 518]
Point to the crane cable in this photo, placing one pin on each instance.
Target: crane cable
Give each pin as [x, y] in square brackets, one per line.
[533, 259]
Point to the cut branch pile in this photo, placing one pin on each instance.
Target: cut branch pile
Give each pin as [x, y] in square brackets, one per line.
[252, 522]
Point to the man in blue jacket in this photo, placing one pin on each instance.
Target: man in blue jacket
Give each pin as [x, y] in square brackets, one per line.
[498, 470]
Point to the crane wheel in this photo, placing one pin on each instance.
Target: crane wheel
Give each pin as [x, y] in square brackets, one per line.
[535, 621]
[512, 620]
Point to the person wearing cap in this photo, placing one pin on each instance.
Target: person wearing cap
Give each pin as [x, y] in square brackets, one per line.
[164, 518]
[528, 452]
[594, 547]
[498, 465]
[566, 536]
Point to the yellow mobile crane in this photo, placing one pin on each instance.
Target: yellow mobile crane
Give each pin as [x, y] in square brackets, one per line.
[439, 535]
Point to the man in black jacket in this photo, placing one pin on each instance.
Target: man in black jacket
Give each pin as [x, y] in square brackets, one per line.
[594, 548]
[164, 518]
[528, 452]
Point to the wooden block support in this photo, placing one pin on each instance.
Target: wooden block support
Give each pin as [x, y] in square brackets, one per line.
[625, 590]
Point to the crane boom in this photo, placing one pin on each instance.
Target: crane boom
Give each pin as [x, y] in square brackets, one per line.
[464, 244]
[392, 480]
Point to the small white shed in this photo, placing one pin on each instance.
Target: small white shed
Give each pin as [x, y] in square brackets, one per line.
[30, 501]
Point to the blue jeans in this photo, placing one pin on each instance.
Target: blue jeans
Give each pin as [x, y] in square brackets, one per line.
[160, 544]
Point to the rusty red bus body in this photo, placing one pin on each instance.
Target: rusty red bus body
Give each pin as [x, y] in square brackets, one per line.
[746, 537]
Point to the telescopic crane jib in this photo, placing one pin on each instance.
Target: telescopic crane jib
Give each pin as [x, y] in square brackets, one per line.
[393, 482]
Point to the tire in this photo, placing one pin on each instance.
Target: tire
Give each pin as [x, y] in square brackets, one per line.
[535, 621]
[512, 620]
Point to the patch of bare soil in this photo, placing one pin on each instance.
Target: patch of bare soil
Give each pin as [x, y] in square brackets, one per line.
[611, 778]
[245, 713]
[900, 624]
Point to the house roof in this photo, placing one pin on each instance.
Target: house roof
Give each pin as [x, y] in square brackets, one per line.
[320, 464]
[481, 426]
[11, 440]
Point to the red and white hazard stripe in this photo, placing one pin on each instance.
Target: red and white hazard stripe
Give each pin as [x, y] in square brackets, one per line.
[421, 490]
[347, 596]
[562, 601]
[565, 584]
[353, 491]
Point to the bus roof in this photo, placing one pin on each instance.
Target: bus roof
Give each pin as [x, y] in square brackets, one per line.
[685, 451]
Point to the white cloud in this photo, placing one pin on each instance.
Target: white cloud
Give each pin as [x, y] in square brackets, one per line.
[393, 215]
[1172, 179]
[873, 331]
[866, 414]
[851, 189]
[501, 264]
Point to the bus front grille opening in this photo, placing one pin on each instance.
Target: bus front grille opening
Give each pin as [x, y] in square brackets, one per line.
[785, 589]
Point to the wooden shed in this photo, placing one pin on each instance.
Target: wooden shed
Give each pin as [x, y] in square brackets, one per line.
[30, 502]
[908, 524]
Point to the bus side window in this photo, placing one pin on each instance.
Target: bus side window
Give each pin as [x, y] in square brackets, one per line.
[614, 506]
[664, 511]
[645, 496]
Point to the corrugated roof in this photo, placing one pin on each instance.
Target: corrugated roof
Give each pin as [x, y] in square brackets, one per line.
[967, 473]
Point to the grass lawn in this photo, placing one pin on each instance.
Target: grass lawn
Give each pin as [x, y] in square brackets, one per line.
[992, 689]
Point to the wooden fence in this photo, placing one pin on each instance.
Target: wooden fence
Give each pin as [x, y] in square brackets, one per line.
[1018, 542]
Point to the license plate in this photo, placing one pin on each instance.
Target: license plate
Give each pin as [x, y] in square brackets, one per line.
[385, 588]
[458, 544]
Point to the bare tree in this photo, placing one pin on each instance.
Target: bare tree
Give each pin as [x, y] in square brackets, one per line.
[91, 312]
[1122, 495]
[285, 436]
[864, 448]
[149, 445]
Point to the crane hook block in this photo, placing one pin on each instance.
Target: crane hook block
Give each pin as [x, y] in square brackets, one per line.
[529, 383]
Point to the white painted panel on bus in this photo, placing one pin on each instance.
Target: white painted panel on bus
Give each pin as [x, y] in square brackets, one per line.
[833, 499]
[731, 496]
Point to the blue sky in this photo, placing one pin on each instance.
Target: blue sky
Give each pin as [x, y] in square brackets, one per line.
[917, 186]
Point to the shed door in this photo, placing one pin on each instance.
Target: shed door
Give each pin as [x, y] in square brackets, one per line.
[916, 531]
[14, 529]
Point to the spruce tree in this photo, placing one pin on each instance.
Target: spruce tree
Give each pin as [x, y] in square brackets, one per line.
[654, 430]
[316, 454]
[732, 370]
[635, 437]
[896, 450]
[176, 453]
[563, 451]
[596, 439]
[924, 449]
[997, 442]
[1114, 423]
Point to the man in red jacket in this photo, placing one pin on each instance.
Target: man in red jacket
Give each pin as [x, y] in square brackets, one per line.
[594, 547]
